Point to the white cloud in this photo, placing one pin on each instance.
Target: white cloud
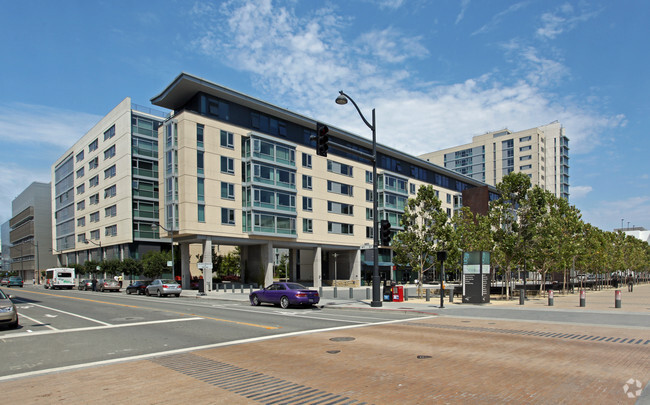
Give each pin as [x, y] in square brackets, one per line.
[464, 4]
[578, 192]
[495, 21]
[561, 21]
[306, 59]
[607, 215]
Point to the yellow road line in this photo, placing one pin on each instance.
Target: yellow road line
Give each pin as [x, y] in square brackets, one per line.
[156, 309]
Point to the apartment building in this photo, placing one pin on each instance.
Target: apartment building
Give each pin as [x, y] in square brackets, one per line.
[238, 171]
[30, 233]
[105, 189]
[542, 153]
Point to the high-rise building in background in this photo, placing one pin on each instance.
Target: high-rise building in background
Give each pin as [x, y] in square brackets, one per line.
[542, 153]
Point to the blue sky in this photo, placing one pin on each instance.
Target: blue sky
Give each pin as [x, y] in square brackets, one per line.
[437, 72]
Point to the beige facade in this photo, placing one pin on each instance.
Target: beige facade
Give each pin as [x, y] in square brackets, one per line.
[237, 171]
[542, 153]
[104, 189]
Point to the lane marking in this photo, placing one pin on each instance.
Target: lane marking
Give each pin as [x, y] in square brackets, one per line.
[35, 321]
[195, 348]
[71, 314]
[94, 328]
[149, 308]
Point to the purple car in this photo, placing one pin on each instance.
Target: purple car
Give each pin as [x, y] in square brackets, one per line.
[285, 294]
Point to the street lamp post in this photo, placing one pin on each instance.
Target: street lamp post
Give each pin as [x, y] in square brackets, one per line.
[376, 293]
[171, 236]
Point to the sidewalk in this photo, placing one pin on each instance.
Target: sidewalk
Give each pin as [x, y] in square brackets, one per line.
[603, 300]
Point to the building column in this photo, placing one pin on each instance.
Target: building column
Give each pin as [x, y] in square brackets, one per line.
[267, 262]
[185, 265]
[293, 264]
[318, 267]
[207, 258]
[356, 267]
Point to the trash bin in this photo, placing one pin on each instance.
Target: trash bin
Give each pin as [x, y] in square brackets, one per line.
[398, 293]
[388, 293]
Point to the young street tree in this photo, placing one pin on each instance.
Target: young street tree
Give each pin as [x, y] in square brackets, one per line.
[425, 231]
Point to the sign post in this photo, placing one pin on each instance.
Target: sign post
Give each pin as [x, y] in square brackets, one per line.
[476, 277]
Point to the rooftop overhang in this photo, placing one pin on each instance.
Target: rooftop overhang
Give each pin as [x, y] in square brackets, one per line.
[185, 86]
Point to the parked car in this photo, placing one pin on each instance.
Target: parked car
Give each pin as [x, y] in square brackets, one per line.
[4, 281]
[285, 294]
[138, 287]
[8, 313]
[162, 287]
[85, 285]
[15, 281]
[109, 284]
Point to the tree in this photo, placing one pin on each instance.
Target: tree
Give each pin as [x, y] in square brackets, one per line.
[90, 267]
[155, 263]
[425, 230]
[230, 264]
[111, 267]
[131, 267]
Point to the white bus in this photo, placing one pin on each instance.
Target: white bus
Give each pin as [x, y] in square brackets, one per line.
[60, 277]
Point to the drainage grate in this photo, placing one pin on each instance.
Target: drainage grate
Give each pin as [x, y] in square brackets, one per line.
[568, 336]
[254, 386]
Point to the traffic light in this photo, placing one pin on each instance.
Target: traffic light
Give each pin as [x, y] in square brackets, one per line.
[322, 139]
[384, 232]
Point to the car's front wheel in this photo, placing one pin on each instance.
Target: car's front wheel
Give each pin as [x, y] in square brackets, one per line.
[128, 292]
[255, 300]
[284, 302]
[147, 293]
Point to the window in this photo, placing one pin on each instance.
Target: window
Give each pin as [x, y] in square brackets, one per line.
[227, 191]
[339, 188]
[306, 204]
[340, 168]
[80, 173]
[227, 140]
[306, 182]
[94, 234]
[93, 163]
[111, 191]
[110, 230]
[369, 232]
[109, 133]
[525, 148]
[200, 189]
[368, 177]
[199, 136]
[93, 146]
[339, 228]
[227, 165]
[526, 167]
[412, 188]
[306, 160]
[307, 225]
[81, 238]
[81, 188]
[80, 156]
[448, 198]
[94, 217]
[110, 211]
[369, 214]
[81, 221]
[340, 208]
[369, 195]
[201, 212]
[94, 199]
[525, 138]
[200, 169]
[110, 172]
[525, 157]
[227, 216]
[81, 205]
[109, 153]
[94, 181]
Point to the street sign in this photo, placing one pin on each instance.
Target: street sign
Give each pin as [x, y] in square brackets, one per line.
[169, 263]
[204, 266]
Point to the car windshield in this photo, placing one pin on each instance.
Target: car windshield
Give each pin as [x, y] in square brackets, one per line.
[168, 281]
[296, 286]
[15, 278]
[2, 296]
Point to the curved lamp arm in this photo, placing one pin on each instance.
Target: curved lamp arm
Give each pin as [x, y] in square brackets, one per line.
[358, 110]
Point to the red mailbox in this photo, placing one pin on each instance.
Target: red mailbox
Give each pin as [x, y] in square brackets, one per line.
[398, 293]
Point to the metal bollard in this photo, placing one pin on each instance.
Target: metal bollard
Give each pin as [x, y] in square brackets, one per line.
[550, 298]
[428, 294]
[250, 289]
[233, 288]
[451, 295]
[617, 299]
[367, 293]
[583, 298]
[351, 293]
[406, 294]
[522, 296]
[336, 294]
[241, 291]
[320, 291]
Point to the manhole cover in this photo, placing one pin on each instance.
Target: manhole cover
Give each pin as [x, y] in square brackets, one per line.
[342, 339]
[333, 351]
[423, 356]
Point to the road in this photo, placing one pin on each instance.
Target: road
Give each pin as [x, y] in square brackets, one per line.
[224, 351]
[63, 328]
